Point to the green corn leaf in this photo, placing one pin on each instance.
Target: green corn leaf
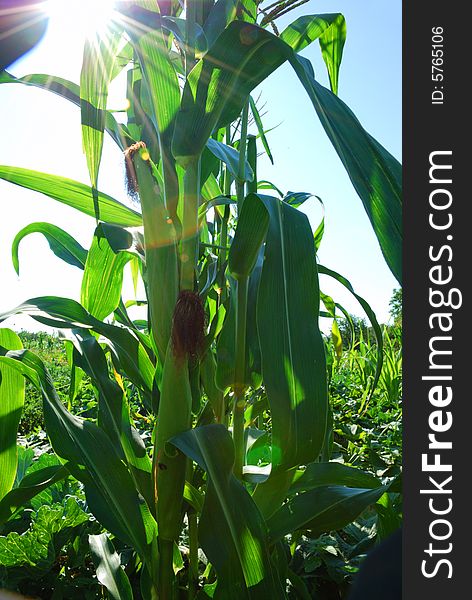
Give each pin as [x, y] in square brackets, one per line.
[332, 473]
[62, 313]
[25, 460]
[103, 277]
[61, 243]
[12, 397]
[226, 343]
[108, 565]
[239, 554]
[177, 27]
[110, 490]
[260, 128]
[318, 235]
[138, 121]
[229, 156]
[97, 69]
[241, 58]
[247, 10]
[250, 232]
[244, 254]
[122, 59]
[375, 174]
[267, 185]
[330, 29]
[211, 189]
[69, 91]
[114, 414]
[218, 85]
[220, 16]
[321, 510]
[373, 321]
[293, 360]
[160, 78]
[296, 199]
[30, 486]
[73, 193]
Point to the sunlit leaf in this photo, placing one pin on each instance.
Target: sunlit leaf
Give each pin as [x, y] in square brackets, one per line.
[73, 193]
[61, 243]
[12, 397]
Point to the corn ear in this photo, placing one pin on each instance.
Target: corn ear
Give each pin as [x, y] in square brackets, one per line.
[160, 241]
[174, 417]
[169, 464]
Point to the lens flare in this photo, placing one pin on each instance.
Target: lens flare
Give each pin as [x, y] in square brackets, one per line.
[87, 16]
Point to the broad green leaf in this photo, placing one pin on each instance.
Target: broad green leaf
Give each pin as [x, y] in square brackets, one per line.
[97, 70]
[321, 510]
[138, 113]
[251, 230]
[389, 519]
[73, 193]
[239, 553]
[330, 29]
[372, 318]
[211, 189]
[293, 359]
[230, 156]
[36, 550]
[336, 339]
[245, 260]
[12, 397]
[61, 243]
[123, 57]
[58, 488]
[218, 85]
[296, 199]
[160, 78]
[69, 91]
[332, 473]
[241, 58]
[29, 487]
[247, 10]
[226, 343]
[114, 414]
[25, 459]
[108, 566]
[178, 28]
[63, 313]
[102, 281]
[221, 15]
[375, 174]
[110, 490]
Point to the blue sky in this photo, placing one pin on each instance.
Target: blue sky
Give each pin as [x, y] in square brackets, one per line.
[42, 132]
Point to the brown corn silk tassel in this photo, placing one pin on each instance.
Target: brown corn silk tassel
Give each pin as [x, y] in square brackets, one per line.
[188, 325]
[132, 186]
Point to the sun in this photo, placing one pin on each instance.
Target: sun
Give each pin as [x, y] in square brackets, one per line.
[86, 16]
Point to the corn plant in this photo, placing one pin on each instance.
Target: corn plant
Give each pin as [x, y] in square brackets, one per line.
[232, 295]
